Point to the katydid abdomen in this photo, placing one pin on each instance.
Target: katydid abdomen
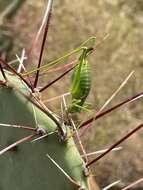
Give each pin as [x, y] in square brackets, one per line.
[81, 84]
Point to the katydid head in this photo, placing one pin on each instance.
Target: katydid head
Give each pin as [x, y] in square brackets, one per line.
[86, 51]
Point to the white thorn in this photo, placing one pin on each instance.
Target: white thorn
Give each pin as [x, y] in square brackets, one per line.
[21, 60]
[48, 8]
[111, 185]
[101, 151]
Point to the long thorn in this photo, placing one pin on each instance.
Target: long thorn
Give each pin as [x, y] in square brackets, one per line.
[59, 68]
[128, 100]
[43, 41]
[101, 151]
[33, 102]
[115, 93]
[17, 126]
[55, 80]
[56, 97]
[133, 184]
[109, 100]
[116, 144]
[16, 61]
[47, 12]
[111, 185]
[3, 73]
[40, 28]
[50, 70]
[79, 141]
[21, 60]
[41, 104]
[21, 65]
[38, 106]
[43, 136]
[75, 130]
[68, 177]
[25, 139]
[35, 116]
[15, 72]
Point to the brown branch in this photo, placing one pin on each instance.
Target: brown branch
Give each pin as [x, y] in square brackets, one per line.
[55, 80]
[110, 110]
[116, 144]
[43, 45]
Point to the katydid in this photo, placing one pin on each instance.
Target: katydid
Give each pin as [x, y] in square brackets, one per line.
[81, 82]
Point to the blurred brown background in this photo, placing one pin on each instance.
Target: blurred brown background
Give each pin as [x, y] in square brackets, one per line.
[72, 23]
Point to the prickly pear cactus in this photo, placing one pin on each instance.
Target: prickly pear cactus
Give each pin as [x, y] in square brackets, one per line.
[27, 166]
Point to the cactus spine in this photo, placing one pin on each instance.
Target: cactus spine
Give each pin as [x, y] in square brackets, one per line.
[27, 166]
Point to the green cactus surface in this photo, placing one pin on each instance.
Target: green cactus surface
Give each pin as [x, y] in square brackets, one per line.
[27, 166]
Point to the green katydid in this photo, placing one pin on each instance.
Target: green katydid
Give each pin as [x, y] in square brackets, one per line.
[81, 82]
